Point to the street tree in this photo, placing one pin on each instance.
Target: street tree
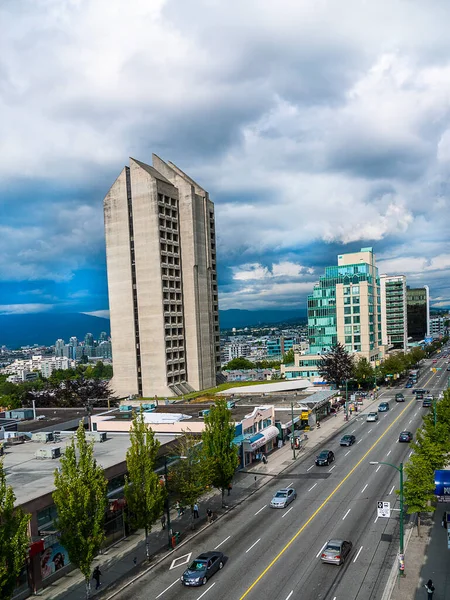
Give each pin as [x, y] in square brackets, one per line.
[81, 501]
[220, 451]
[363, 372]
[190, 473]
[239, 363]
[144, 494]
[13, 538]
[336, 365]
[418, 489]
[288, 358]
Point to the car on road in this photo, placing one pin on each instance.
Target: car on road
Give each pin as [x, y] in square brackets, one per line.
[427, 403]
[399, 398]
[283, 498]
[202, 568]
[383, 407]
[419, 396]
[409, 384]
[420, 391]
[324, 458]
[372, 416]
[434, 361]
[405, 436]
[347, 440]
[448, 368]
[336, 551]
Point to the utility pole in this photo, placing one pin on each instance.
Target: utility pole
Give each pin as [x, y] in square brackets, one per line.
[293, 439]
[346, 399]
[167, 503]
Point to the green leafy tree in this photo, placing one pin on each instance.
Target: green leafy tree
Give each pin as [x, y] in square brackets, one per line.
[143, 491]
[220, 451]
[190, 475]
[13, 538]
[418, 489]
[363, 372]
[239, 363]
[288, 358]
[81, 501]
[336, 365]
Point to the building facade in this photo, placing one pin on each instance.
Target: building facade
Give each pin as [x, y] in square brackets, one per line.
[345, 307]
[418, 311]
[394, 321]
[438, 326]
[162, 281]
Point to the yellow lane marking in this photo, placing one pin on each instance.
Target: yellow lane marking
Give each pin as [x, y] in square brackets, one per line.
[303, 527]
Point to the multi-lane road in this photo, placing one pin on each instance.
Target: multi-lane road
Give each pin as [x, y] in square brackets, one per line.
[275, 553]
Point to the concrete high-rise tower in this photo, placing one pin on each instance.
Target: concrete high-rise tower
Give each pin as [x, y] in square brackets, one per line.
[163, 299]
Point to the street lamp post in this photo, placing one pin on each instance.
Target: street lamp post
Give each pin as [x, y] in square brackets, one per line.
[400, 470]
[346, 399]
[293, 438]
[167, 503]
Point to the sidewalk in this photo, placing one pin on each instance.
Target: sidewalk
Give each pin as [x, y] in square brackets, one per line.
[126, 560]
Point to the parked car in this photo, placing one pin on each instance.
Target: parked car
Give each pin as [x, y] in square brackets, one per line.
[336, 551]
[283, 498]
[324, 458]
[347, 440]
[372, 416]
[399, 398]
[405, 436]
[383, 407]
[202, 568]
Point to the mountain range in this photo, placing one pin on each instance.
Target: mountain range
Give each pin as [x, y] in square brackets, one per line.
[46, 328]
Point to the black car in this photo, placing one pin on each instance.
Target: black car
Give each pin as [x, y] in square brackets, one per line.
[405, 436]
[399, 398]
[427, 403]
[324, 458]
[347, 440]
[202, 568]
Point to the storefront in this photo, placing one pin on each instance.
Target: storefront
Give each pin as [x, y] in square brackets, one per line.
[259, 444]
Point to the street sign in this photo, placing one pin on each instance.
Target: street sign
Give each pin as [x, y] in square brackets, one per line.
[384, 509]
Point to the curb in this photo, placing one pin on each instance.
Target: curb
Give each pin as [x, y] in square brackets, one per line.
[390, 585]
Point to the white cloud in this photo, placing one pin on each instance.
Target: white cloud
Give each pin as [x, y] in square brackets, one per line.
[104, 314]
[21, 309]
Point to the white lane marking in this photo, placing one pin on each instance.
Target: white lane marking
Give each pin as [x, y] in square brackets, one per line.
[415, 414]
[347, 453]
[171, 585]
[409, 422]
[289, 595]
[335, 465]
[410, 454]
[309, 468]
[181, 560]
[369, 430]
[362, 491]
[288, 511]
[346, 513]
[378, 468]
[353, 431]
[311, 488]
[376, 520]
[356, 557]
[206, 591]
[392, 489]
[257, 513]
[320, 551]
[223, 542]
[388, 452]
[290, 484]
[258, 540]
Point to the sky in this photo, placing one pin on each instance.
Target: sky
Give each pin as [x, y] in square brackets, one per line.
[317, 127]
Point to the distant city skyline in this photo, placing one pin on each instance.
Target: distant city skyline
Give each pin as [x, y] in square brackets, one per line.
[315, 134]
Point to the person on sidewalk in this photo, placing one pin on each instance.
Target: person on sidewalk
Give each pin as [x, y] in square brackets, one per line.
[163, 521]
[209, 515]
[96, 575]
[196, 511]
[264, 459]
[430, 589]
[230, 487]
[179, 508]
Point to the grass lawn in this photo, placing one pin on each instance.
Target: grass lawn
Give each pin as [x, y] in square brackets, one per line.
[206, 395]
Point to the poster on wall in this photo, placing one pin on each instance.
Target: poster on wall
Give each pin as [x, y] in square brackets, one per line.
[53, 559]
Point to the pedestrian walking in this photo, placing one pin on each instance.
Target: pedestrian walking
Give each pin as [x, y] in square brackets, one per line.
[264, 459]
[230, 487]
[96, 575]
[209, 515]
[430, 589]
[196, 511]
[179, 508]
[163, 521]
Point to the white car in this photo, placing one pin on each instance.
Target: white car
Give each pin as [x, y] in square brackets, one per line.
[371, 417]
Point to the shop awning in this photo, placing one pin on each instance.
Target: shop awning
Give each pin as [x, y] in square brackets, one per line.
[260, 439]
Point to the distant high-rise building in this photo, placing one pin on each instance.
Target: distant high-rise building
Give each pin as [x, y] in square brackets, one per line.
[345, 307]
[161, 263]
[59, 348]
[103, 337]
[89, 340]
[418, 311]
[394, 322]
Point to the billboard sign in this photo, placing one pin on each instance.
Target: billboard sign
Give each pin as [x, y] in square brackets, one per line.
[442, 483]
